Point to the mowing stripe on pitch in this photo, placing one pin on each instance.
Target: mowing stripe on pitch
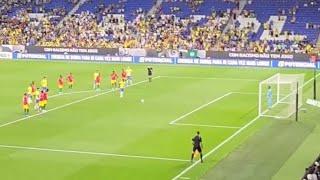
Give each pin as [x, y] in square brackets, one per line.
[228, 139]
[68, 104]
[200, 107]
[91, 153]
[204, 125]
[212, 78]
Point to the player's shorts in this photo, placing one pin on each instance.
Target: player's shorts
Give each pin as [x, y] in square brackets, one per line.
[97, 83]
[70, 83]
[45, 89]
[45, 102]
[129, 77]
[33, 93]
[37, 100]
[113, 81]
[196, 148]
[60, 86]
[121, 89]
[29, 100]
[25, 106]
[41, 103]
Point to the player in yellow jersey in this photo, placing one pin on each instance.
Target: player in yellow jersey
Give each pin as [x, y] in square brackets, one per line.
[122, 85]
[44, 84]
[129, 75]
[95, 75]
[29, 90]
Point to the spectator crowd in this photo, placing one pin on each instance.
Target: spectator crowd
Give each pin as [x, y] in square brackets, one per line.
[157, 31]
[313, 171]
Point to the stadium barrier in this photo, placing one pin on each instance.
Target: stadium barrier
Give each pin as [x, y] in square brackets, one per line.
[257, 56]
[169, 53]
[248, 62]
[62, 50]
[6, 55]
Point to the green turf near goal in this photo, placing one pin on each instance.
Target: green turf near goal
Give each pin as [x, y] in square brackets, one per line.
[277, 95]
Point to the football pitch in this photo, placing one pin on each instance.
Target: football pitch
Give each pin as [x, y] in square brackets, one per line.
[98, 135]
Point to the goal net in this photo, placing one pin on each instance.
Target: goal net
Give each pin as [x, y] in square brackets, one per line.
[277, 95]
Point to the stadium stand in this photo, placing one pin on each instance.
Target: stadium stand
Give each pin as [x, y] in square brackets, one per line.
[185, 8]
[313, 171]
[55, 7]
[261, 26]
[276, 26]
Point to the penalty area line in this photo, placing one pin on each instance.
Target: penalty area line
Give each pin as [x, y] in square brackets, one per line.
[69, 104]
[91, 153]
[184, 178]
[205, 125]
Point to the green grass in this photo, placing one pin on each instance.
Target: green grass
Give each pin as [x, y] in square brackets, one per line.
[108, 124]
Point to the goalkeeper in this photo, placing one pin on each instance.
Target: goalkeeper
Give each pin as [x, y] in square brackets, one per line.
[269, 97]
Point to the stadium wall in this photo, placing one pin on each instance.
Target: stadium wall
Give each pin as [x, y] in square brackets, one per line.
[235, 61]
[124, 55]
[6, 55]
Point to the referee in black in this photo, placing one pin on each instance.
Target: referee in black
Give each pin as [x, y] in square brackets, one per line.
[150, 72]
[197, 146]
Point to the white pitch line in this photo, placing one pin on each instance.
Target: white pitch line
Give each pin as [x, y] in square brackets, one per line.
[204, 125]
[184, 178]
[213, 78]
[228, 139]
[75, 92]
[200, 107]
[68, 104]
[91, 153]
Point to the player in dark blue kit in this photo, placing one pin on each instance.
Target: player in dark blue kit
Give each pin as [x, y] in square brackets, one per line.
[197, 146]
[150, 73]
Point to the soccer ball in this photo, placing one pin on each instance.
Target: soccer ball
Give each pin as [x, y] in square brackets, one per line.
[142, 100]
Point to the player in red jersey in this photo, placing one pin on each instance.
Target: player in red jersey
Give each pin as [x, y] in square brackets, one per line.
[98, 82]
[70, 80]
[124, 75]
[60, 84]
[41, 100]
[45, 100]
[33, 90]
[114, 78]
[25, 104]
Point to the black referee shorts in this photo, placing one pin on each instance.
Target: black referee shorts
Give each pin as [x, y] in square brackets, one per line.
[197, 148]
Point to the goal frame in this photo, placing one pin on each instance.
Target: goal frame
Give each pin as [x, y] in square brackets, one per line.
[293, 92]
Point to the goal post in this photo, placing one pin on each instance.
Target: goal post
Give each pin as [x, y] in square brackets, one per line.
[277, 95]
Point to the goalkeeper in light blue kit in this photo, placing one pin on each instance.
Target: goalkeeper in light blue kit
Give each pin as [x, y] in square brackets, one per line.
[269, 97]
